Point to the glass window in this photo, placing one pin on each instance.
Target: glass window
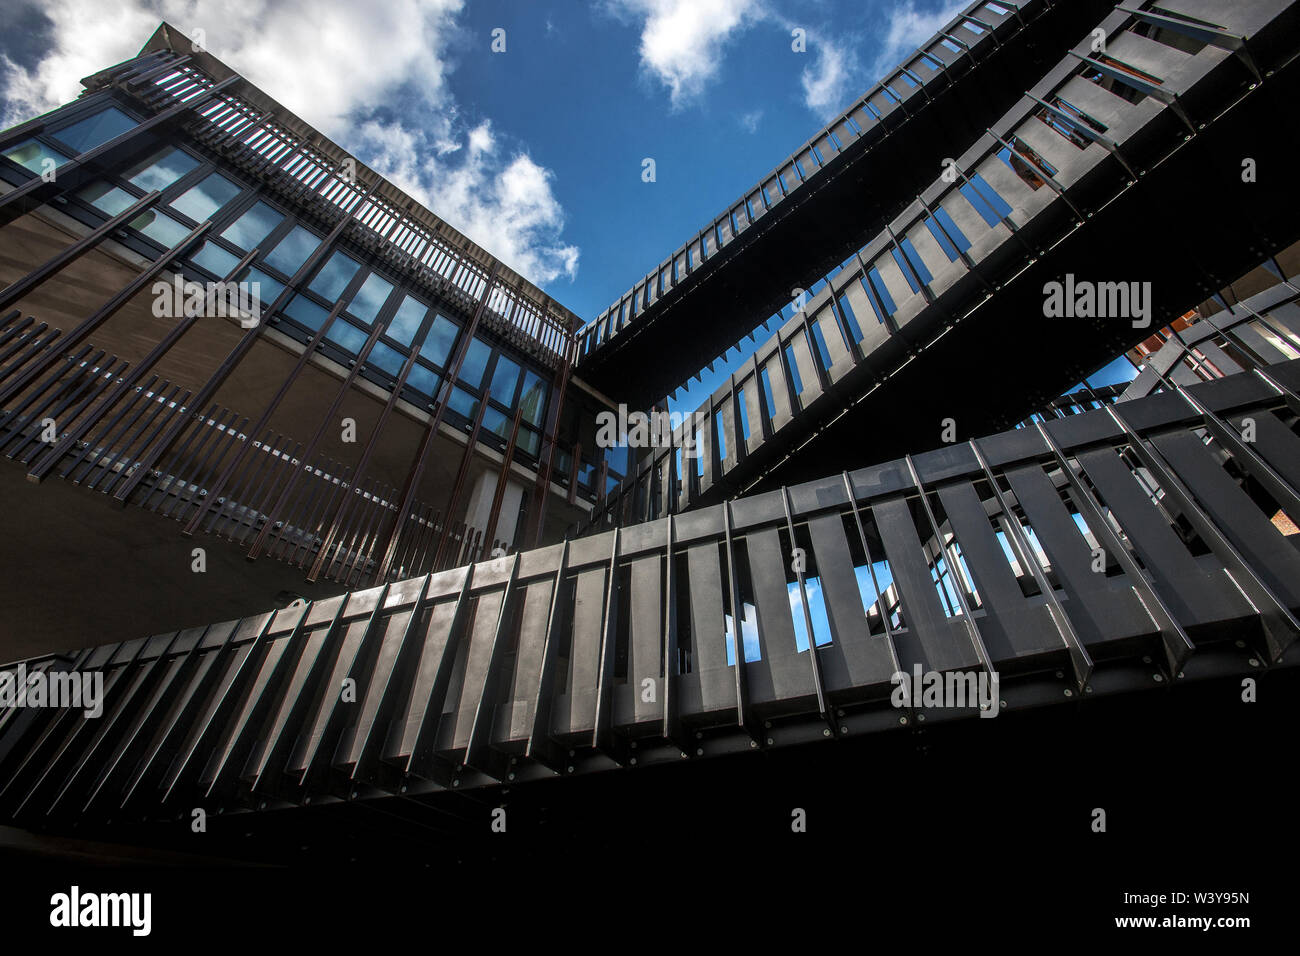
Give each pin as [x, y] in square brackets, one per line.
[292, 251]
[422, 379]
[370, 298]
[107, 198]
[334, 276]
[96, 130]
[496, 423]
[268, 289]
[533, 398]
[161, 229]
[437, 344]
[463, 403]
[162, 170]
[306, 312]
[346, 335]
[390, 360]
[31, 155]
[406, 322]
[475, 364]
[504, 379]
[253, 226]
[215, 259]
[531, 442]
[200, 201]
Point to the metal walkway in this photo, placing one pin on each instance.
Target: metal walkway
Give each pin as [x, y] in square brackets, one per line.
[1100, 173]
[1123, 548]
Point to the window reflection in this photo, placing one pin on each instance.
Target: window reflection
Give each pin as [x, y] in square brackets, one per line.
[334, 276]
[532, 399]
[161, 170]
[475, 364]
[504, 379]
[162, 229]
[202, 200]
[253, 226]
[107, 198]
[95, 130]
[390, 360]
[215, 259]
[31, 155]
[370, 298]
[403, 326]
[292, 251]
[437, 344]
[346, 335]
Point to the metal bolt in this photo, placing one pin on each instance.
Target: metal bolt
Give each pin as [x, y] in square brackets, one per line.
[631, 762]
[699, 752]
[902, 720]
[1068, 692]
[844, 730]
[1157, 677]
[826, 732]
[1253, 662]
[769, 741]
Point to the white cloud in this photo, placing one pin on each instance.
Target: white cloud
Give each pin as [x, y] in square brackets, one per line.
[505, 204]
[908, 28]
[749, 121]
[334, 63]
[682, 40]
[831, 80]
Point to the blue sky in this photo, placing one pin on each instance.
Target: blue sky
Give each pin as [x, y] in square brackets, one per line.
[535, 152]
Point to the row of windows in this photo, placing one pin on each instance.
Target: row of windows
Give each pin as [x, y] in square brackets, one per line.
[377, 313]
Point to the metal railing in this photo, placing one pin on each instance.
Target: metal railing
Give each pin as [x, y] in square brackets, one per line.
[1130, 546]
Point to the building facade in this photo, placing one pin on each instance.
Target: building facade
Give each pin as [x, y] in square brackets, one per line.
[379, 464]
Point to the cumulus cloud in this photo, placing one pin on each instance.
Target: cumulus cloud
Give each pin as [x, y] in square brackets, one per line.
[682, 40]
[749, 121]
[504, 203]
[831, 79]
[908, 28]
[337, 64]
